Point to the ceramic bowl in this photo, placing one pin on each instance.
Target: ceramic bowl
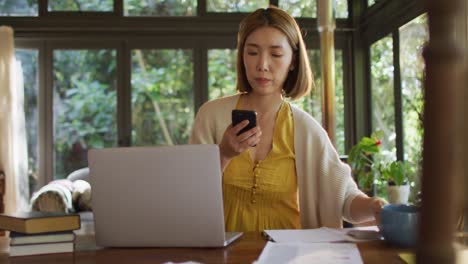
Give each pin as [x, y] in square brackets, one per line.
[399, 224]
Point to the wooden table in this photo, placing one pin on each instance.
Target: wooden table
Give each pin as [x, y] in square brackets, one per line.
[245, 250]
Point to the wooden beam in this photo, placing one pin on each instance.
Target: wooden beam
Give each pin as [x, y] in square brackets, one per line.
[445, 81]
[326, 27]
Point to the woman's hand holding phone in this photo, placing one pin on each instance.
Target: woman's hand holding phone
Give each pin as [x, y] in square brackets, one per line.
[234, 142]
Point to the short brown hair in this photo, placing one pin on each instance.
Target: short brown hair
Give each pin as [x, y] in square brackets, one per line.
[300, 80]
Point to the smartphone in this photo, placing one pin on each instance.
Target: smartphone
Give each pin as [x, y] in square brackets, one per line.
[241, 115]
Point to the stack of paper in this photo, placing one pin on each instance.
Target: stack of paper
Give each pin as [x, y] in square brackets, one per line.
[297, 253]
[323, 234]
[321, 245]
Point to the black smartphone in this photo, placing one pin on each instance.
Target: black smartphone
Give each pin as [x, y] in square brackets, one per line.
[241, 115]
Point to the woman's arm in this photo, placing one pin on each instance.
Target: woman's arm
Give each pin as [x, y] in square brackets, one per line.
[364, 208]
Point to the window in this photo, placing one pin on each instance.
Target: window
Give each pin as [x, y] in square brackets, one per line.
[221, 72]
[341, 8]
[304, 8]
[81, 5]
[29, 65]
[313, 103]
[233, 6]
[18, 8]
[413, 37]
[308, 8]
[160, 8]
[84, 106]
[382, 94]
[397, 107]
[162, 97]
[129, 92]
[339, 103]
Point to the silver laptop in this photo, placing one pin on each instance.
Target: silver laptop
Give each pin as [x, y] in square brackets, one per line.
[167, 196]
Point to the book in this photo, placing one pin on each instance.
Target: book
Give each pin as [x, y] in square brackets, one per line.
[39, 222]
[53, 237]
[39, 249]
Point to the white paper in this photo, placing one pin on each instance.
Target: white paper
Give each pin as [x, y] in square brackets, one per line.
[318, 235]
[297, 253]
[322, 234]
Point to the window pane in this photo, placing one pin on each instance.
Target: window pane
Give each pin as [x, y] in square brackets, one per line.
[231, 6]
[221, 72]
[383, 101]
[84, 106]
[339, 101]
[301, 8]
[29, 64]
[160, 8]
[308, 8]
[81, 5]
[18, 8]
[370, 2]
[313, 103]
[341, 8]
[413, 36]
[162, 97]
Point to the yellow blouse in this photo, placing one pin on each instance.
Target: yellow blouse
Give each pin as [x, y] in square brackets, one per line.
[263, 195]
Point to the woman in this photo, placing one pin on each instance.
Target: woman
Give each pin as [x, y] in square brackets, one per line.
[284, 173]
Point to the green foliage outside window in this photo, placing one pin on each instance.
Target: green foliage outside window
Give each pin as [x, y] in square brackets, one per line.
[313, 103]
[162, 97]
[412, 37]
[160, 7]
[18, 8]
[235, 6]
[341, 9]
[222, 75]
[382, 94]
[84, 106]
[81, 5]
[308, 8]
[300, 8]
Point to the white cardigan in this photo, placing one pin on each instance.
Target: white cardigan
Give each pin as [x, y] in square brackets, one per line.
[326, 187]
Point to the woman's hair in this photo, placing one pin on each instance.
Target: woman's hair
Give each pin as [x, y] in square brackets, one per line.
[300, 80]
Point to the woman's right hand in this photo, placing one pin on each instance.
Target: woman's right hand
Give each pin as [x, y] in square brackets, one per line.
[233, 144]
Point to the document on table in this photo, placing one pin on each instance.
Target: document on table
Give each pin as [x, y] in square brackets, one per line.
[323, 234]
[318, 235]
[297, 253]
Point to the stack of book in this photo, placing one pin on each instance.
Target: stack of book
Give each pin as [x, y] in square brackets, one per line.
[33, 233]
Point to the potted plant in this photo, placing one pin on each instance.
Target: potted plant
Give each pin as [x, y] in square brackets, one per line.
[361, 159]
[398, 189]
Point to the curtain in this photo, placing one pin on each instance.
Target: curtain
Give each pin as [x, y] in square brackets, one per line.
[13, 148]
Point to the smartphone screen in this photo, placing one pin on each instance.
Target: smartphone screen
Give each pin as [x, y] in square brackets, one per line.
[241, 115]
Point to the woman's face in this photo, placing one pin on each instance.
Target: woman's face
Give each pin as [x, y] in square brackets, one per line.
[268, 58]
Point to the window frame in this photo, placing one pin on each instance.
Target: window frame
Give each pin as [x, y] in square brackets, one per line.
[375, 29]
[63, 30]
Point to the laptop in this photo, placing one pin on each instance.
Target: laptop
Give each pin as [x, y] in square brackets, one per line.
[168, 196]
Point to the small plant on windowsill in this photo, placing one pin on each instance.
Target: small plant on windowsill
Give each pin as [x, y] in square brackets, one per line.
[398, 189]
[361, 159]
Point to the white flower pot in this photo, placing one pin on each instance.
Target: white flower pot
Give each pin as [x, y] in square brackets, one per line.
[398, 194]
